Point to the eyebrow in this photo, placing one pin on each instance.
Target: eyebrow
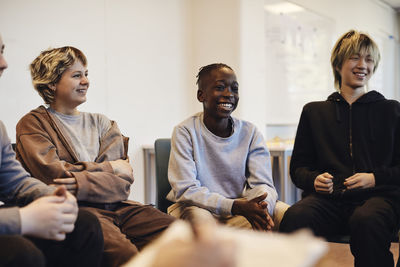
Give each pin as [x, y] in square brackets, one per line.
[224, 81]
[79, 71]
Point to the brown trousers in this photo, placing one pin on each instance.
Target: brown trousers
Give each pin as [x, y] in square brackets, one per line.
[127, 228]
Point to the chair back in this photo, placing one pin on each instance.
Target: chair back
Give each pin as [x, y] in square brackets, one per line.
[162, 148]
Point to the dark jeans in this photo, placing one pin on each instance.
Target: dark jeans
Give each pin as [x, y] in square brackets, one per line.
[82, 247]
[371, 224]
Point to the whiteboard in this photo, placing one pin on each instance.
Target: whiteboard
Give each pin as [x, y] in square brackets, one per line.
[298, 45]
[385, 79]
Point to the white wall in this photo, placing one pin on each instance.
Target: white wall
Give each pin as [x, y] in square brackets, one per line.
[28, 28]
[138, 57]
[257, 94]
[147, 72]
[253, 93]
[214, 36]
[144, 54]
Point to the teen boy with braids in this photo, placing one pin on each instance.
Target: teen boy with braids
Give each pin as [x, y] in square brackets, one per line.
[219, 165]
[346, 158]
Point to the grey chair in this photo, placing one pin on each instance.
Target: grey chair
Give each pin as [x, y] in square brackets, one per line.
[162, 148]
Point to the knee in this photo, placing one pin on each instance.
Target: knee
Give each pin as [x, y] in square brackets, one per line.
[88, 229]
[22, 252]
[194, 213]
[118, 254]
[363, 220]
[295, 217]
[163, 218]
[279, 212]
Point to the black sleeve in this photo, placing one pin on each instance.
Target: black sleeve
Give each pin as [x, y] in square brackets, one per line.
[303, 169]
[391, 175]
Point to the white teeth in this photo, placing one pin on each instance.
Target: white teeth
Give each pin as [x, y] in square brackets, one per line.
[360, 74]
[226, 105]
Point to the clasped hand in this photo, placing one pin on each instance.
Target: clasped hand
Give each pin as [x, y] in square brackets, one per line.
[50, 217]
[323, 183]
[255, 211]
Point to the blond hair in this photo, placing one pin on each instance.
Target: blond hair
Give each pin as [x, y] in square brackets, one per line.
[50, 65]
[350, 43]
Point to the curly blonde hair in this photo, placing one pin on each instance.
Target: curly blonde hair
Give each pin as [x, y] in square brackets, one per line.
[50, 65]
[350, 43]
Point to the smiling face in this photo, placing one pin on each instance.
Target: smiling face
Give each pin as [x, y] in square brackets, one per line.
[3, 63]
[357, 70]
[354, 59]
[71, 89]
[219, 93]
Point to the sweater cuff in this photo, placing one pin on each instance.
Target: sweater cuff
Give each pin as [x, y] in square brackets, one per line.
[48, 191]
[83, 190]
[10, 221]
[310, 183]
[271, 201]
[226, 207]
[380, 177]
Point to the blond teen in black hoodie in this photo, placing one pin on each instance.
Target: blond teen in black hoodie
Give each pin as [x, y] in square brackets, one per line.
[346, 158]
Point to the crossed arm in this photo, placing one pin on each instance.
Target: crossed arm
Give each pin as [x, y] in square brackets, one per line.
[107, 180]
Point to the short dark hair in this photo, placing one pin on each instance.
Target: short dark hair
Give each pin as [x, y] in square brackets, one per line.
[206, 70]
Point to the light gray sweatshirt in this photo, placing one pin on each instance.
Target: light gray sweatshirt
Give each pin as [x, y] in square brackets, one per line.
[85, 131]
[211, 172]
[16, 187]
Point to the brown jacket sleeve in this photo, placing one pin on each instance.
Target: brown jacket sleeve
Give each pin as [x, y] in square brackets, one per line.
[44, 152]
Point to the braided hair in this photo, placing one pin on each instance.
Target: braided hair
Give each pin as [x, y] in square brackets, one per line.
[206, 70]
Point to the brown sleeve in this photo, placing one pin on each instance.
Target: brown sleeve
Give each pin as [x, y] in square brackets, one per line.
[44, 156]
[102, 187]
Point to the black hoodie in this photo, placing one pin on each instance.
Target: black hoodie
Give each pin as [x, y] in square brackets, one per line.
[344, 139]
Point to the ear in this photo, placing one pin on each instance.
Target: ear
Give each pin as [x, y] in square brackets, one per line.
[52, 86]
[200, 95]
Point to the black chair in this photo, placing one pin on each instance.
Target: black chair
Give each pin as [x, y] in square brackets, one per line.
[162, 148]
[345, 239]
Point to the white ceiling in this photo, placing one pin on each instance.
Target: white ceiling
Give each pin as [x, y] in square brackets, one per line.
[393, 3]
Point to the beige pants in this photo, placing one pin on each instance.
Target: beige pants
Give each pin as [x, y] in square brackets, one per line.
[194, 213]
